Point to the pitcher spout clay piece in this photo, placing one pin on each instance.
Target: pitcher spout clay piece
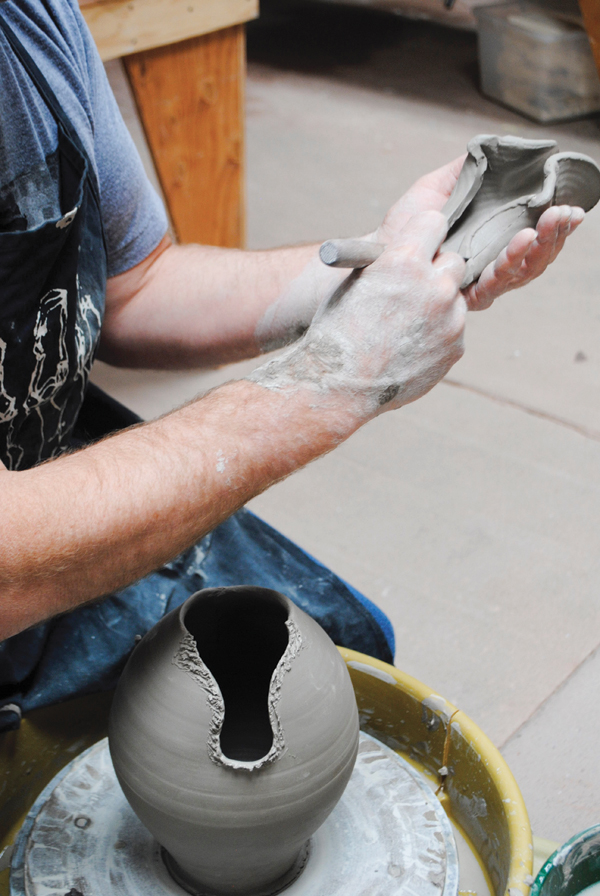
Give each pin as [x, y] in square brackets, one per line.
[505, 185]
[233, 733]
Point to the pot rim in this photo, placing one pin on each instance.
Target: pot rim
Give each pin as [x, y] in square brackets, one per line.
[282, 599]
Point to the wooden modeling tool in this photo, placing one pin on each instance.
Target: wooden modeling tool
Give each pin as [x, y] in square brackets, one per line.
[350, 253]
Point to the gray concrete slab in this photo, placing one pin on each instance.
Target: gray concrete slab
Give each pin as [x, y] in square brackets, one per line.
[554, 756]
[474, 527]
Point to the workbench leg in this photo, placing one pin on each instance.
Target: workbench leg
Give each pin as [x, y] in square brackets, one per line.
[190, 97]
[591, 16]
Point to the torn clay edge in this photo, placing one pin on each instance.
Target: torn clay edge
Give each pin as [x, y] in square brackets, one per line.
[189, 660]
[476, 164]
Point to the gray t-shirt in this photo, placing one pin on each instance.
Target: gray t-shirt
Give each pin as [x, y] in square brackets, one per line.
[56, 36]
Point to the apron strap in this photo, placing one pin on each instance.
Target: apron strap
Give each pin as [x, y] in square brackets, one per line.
[48, 96]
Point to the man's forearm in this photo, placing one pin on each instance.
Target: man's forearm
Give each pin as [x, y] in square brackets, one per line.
[91, 522]
[193, 306]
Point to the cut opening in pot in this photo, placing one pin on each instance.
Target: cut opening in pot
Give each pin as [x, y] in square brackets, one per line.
[240, 637]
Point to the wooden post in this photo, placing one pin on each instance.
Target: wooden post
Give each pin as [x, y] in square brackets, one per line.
[591, 16]
[190, 97]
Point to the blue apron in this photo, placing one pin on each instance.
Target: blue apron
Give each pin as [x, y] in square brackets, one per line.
[52, 289]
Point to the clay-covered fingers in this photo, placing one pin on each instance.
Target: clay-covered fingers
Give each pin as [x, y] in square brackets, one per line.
[451, 264]
[433, 281]
[526, 257]
[416, 253]
[503, 274]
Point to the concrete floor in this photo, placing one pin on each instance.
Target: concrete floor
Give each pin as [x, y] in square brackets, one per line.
[473, 516]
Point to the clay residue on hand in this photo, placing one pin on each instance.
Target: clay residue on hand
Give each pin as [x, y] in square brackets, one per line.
[290, 315]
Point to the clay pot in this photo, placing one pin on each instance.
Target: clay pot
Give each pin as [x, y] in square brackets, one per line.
[233, 733]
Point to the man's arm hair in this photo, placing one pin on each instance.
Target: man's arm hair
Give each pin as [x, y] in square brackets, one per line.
[88, 523]
[93, 521]
[199, 306]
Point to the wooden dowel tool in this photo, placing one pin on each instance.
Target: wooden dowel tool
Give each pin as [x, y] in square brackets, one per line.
[350, 253]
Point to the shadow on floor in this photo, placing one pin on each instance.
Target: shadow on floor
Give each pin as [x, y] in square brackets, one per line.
[380, 51]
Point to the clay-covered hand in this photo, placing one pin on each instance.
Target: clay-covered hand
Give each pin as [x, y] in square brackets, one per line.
[526, 257]
[290, 315]
[388, 334]
[286, 319]
[430, 193]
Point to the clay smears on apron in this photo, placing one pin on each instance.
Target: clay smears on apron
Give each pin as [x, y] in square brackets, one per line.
[52, 291]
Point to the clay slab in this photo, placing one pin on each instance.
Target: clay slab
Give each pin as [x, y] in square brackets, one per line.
[505, 185]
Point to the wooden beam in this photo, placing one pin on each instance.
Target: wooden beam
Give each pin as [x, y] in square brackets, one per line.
[191, 101]
[120, 27]
[591, 18]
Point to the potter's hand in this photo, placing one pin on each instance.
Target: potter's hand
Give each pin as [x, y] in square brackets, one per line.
[526, 257]
[387, 335]
[430, 192]
[290, 315]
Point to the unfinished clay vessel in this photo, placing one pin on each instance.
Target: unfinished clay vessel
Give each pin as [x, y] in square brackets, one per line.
[233, 733]
[505, 185]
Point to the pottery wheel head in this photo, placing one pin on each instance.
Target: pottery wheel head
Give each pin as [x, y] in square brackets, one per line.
[388, 835]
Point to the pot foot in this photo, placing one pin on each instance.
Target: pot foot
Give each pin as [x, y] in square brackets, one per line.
[270, 889]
